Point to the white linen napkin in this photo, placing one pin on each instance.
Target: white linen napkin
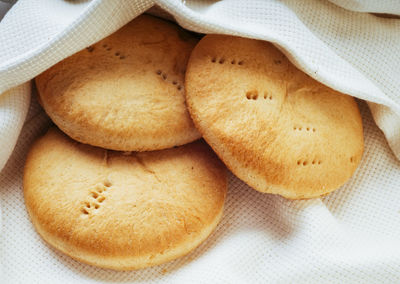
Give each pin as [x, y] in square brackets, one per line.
[381, 6]
[350, 235]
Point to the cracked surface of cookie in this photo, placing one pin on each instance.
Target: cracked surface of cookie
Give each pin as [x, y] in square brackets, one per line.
[126, 91]
[275, 127]
[123, 210]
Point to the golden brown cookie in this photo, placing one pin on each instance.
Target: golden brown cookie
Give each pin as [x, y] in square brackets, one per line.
[123, 210]
[126, 92]
[275, 127]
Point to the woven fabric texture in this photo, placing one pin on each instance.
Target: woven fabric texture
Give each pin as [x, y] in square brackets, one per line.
[349, 236]
[381, 6]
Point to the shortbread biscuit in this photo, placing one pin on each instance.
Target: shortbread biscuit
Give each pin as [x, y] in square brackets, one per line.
[123, 210]
[126, 92]
[275, 127]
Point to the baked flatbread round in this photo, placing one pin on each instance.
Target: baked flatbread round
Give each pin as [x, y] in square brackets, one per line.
[126, 92]
[275, 127]
[123, 210]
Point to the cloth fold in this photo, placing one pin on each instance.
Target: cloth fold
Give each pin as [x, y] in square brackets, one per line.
[350, 235]
[371, 6]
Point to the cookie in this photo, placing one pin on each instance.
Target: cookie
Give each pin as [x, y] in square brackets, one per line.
[275, 127]
[125, 92]
[123, 210]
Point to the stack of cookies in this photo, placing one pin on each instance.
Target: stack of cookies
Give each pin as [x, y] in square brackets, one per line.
[122, 182]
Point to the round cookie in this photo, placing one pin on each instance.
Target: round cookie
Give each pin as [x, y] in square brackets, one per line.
[123, 210]
[126, 92]
[275, 127]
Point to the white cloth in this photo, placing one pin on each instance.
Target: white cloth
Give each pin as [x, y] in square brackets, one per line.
[375, 6]
[350, 235]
